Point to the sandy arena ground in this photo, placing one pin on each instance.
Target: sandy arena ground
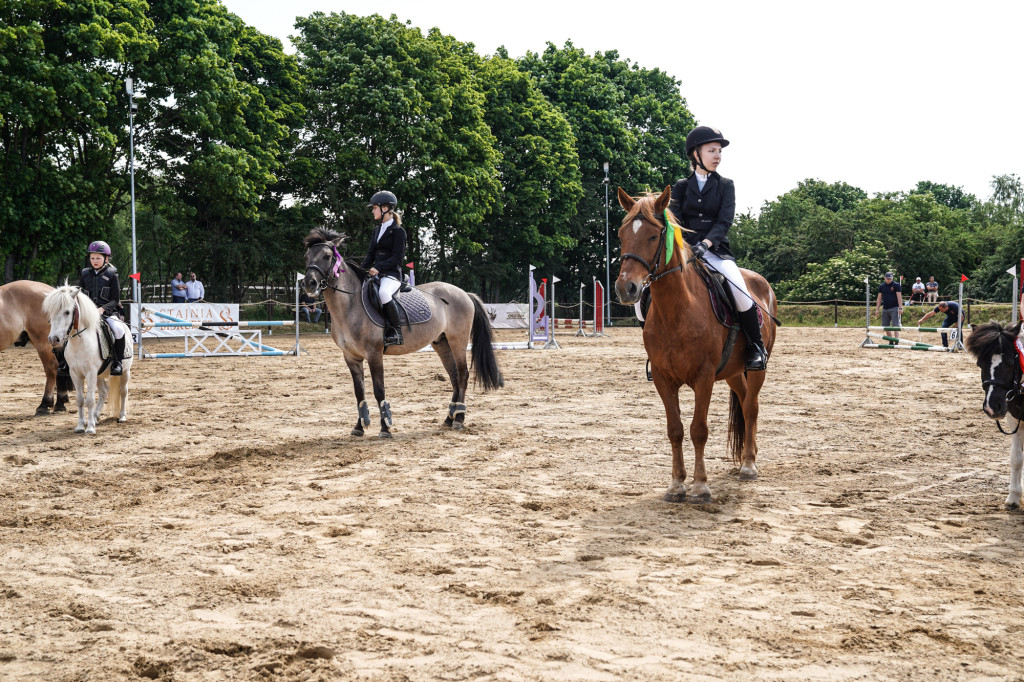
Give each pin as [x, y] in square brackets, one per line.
[232, 529]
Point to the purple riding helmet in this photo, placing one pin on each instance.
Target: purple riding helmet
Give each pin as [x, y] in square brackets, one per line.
[100, 247]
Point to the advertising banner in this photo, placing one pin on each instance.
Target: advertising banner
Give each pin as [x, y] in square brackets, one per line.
[190, 312]
[508, 315]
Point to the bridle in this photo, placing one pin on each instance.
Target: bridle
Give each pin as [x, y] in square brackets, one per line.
[336, 266]
[1013, 389]
[651, 269]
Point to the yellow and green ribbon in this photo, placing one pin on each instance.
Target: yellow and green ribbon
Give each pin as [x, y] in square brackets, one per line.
[675, 234]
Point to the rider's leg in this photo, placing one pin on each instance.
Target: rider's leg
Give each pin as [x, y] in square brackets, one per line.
[117, 352]
[393, 331]
[755, 356]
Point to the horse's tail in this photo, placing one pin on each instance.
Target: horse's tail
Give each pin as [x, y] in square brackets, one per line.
[486, 364]
[737, 428]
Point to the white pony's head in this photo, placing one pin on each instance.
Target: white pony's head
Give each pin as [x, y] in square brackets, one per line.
[68, 310]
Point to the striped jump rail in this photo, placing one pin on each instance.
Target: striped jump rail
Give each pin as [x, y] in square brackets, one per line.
[939, 330]
[221, 323]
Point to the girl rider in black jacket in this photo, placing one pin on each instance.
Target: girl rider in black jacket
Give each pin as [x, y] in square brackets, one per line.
[705, 203]
[384, 259]
[100, 283]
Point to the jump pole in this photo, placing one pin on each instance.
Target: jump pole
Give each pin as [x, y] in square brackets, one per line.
[582, 332]
[551, 343]
[265, 350]
[867, 342]
[599, 294]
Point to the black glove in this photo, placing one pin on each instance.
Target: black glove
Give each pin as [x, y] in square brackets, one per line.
[699, 250]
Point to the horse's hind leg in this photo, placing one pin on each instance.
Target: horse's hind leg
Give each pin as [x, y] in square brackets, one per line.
[751, 406]
[80, 402]
[1016, 465]
[355, 367]
[460, 381]
[670, 398]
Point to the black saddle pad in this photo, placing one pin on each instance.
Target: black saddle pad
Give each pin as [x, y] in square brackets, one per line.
[721, 297]
[413, 307]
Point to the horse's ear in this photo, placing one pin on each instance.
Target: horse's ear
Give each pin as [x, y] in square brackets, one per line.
[76, 291]
[625, 201]
[661, 203]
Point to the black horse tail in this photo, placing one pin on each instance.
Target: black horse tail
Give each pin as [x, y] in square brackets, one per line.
[737, 428]
[486, 364]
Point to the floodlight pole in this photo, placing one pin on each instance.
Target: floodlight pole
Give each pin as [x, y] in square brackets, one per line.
[137, 284]
[607, 254]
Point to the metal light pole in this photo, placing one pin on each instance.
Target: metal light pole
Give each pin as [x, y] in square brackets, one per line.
[137, 286]
[607, 254]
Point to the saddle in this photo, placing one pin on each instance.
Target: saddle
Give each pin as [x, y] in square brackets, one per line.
[722, 301]
[413, 307]
[106, 345]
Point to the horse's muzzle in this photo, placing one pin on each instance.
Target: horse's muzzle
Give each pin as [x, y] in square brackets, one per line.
[311, 286]
[627, 290]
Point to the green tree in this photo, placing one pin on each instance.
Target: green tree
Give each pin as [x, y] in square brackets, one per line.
[631, 117]
[539, 176]
[954, 197]
[390, 108]
[840, 277]
[63, 126]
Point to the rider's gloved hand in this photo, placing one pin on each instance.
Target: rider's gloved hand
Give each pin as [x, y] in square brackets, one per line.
[699, 250]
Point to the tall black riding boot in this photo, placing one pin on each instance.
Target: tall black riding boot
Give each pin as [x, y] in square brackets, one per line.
[755, 356]
[393, 332]
[63, 371]
[115, 357]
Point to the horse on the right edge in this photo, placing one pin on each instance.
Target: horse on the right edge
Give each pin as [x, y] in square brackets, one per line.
[999, 351]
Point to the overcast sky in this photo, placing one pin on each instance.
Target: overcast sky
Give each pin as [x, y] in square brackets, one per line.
[878, 94]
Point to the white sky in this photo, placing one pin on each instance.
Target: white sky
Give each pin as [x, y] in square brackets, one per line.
[878, 94]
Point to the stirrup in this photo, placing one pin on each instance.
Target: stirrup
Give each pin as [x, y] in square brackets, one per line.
[755, 358]
[393, 337]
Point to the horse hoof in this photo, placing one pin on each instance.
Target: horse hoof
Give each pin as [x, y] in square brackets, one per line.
[1013, 506]
[448, 422]
[699, 499]
[42, 411]
[60, 408]
[122, 420]
[458, 426]
[674, 498]
[357, 432]
[90, 432]
[385, 434]
[748, 474]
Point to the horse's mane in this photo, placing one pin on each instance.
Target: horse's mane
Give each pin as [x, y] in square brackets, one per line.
[645, 206]
[64, 297]
[984, 339]
[322, 235]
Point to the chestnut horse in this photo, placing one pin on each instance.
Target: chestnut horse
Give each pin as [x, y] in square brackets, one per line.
[685, 342]
[22, 321]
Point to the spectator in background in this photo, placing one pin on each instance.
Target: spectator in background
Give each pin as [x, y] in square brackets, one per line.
[307, 306]
[931, 290]
[890, 304]
[195, 289]
[178, 292]
[917, 292]
[953, 315]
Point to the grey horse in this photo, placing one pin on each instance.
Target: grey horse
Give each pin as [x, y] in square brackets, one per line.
[456, 318]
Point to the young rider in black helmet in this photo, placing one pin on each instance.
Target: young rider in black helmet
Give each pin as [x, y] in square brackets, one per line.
[384, 259]
[100, 283]
[705, 203]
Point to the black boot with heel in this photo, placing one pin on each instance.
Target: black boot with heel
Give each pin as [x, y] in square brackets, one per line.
[393, 332]
[755, 356]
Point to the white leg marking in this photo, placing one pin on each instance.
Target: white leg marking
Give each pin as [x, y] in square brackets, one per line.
[996, 361]
[1016, 465]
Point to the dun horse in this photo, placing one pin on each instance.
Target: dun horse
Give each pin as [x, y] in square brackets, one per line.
[685, 342]
[75, 323]
[22, 321]
[1000, 354]
[456, 318]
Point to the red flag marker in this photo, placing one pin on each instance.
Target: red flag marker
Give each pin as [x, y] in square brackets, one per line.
[963, 277]
[136, 276]
[409, 265]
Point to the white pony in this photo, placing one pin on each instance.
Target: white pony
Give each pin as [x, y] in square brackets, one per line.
[75, 320]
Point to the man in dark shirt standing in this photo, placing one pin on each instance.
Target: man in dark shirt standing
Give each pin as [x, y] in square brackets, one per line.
[890, 304]
[953, 314]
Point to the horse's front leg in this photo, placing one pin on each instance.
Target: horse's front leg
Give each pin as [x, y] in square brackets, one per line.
[700, 493]
[376, 363]
[669, 393]
[1016, 465]
[79, 382]
[90, 401]
[355, 367]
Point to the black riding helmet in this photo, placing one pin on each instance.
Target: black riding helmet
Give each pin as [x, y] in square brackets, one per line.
[384, 198]
[702, 135]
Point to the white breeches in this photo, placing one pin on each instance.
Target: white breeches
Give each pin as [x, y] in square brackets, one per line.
[115, 327]
[735, 279]
[388, 287]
